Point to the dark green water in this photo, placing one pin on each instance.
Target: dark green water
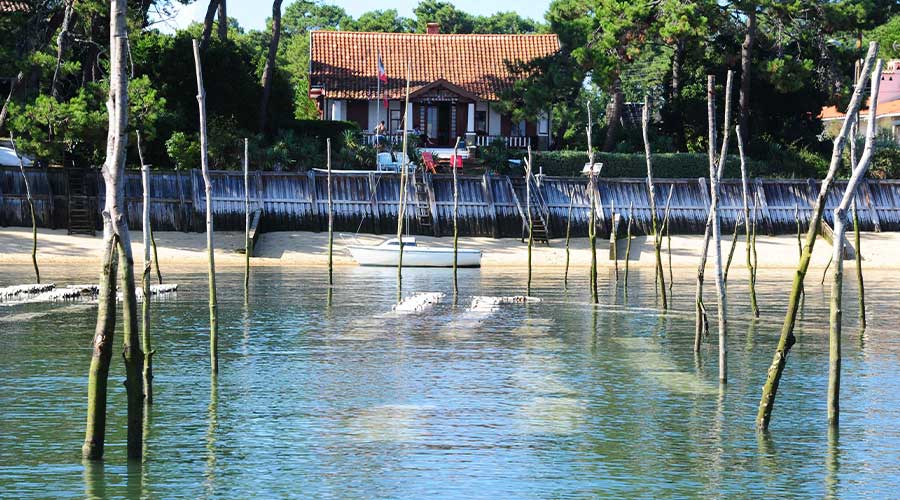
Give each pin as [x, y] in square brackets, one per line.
[551, 400]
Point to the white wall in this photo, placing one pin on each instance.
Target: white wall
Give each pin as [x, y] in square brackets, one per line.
[493, 121]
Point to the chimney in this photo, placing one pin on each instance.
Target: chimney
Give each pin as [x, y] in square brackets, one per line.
[432, 28]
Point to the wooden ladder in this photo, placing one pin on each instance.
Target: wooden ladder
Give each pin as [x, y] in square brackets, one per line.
[423, 205]
[81, 208]
[540, 228]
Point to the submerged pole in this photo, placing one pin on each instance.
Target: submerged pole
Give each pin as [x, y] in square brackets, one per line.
[568, 233]
[155, 257]
[34, 262]
[668, 236]
[787, 339]
[207, 184]
[401, 209]
[330, 215]
[734, 238]
[628, 246]
[455, 217]
[145, 278]
[247, 249]
[745, 190]
[592, 224]
[660, 280]
[528, 211]
[859, 274]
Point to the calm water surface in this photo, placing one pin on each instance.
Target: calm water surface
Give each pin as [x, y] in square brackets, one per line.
[551, 400]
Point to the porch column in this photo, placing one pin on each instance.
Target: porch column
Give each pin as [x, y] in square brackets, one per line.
[470, 125]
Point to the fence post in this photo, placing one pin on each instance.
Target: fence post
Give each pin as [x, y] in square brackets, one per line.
[487, 188]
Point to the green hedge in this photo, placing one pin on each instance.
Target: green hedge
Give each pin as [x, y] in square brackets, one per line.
[674, 165]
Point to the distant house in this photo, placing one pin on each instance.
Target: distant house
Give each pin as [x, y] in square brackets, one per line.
[455, 83]
[887, 112]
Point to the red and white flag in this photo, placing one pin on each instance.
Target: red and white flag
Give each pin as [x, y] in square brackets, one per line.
[382, 74]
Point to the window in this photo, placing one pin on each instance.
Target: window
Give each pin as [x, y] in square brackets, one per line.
[517, 129]
[395, 120]
[481, 122]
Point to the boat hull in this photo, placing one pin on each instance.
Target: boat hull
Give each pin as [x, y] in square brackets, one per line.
[414, 256]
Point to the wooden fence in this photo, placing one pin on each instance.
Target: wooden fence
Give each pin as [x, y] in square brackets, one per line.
[489, 205]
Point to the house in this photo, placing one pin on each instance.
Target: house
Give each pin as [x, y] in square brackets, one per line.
[455, 84]
[888, 111]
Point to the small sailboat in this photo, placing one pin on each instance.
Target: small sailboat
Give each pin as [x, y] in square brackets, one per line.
[388, 254]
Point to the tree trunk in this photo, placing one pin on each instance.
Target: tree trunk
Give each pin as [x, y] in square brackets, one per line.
[269, 69]
[115, 237]
[223, 21]
[61, 41]
[746, 62]
[207, 183]
[208, 23]
[614, 118]
[787, 340]
[13, 90]
[145, 278]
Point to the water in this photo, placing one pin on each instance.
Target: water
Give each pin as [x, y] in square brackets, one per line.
[551, 400]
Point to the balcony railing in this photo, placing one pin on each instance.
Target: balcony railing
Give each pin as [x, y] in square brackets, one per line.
[511, 141]
[395, 139]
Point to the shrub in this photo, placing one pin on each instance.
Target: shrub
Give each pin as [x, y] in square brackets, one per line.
[886, 163]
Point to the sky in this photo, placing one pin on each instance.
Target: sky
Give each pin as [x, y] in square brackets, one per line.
[252, 15]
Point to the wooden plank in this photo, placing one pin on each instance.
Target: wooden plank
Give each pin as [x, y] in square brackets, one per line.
[767, 219]
[314, 200]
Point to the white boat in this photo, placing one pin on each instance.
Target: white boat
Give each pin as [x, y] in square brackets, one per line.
[388, 254]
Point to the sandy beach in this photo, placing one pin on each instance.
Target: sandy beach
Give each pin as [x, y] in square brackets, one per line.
[879, 250]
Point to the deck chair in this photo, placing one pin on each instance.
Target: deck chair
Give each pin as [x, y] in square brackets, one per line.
[428, 160]
[456, 161]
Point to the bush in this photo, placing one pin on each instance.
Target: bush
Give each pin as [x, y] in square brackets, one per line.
[886, 163]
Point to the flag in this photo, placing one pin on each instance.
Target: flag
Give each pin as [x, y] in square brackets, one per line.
[382, 74]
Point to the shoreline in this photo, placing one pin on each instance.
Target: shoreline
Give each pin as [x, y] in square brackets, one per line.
[308, 249]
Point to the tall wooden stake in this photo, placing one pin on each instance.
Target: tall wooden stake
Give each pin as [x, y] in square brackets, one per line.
[116, 245]
[787, 340]
[330, 215]
[247, 249]
[628, 246]
[528, 211]
[714, 174]
[660, 279]
[155, 256]
[37, 271]
[568, 233]
[859, 274]
[668, 235]
[734, 237]
[592, 224]
[145, 278]
[745, 190]
[840, 227]
[455, 218]
[207, 183]
[401, 209]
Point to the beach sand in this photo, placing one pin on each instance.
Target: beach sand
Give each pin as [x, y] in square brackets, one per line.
[879, 250]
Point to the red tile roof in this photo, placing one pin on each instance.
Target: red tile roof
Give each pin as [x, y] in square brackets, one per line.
[884, 108]
[12, 6]
[344, 63]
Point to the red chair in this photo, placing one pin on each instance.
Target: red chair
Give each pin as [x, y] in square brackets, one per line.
[456, 161]
[428, 160]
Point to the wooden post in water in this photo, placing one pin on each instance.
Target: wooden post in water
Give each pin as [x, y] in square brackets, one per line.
[330, 215]
[668, 235]
[247, 249]
[614, 239]
[628, 246]
[568, 233]
[207, 183]
[155, 257]
[734, 237]
[840, 227]
[528, 211]
[715, 166]
[745, 189]
[145, 277]
[116, 246]
[592, 223]
[37, 272]
[859, 275]
[787, 339]
[401, 209]
[455, 217]
[660, 280]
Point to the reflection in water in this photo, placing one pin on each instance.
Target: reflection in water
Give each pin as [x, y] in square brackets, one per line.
[833, 464]
[212, 427]
[94, 479]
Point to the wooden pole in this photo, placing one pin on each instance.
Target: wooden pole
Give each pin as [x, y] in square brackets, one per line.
[116, 245]
[840, 225]
[145, 278]
[528, 211]
[455, 218]
[247, 249]
[668, 235]
[34, 262]
[628, 246]
[787, 339]
[207, 183]
[330, 215]
[592, 224]
[734, 237]
[660, 280]
[714, 175]
[568, 234]
[859, 274]
[155, 256]
[401, 209]
[745, 190]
